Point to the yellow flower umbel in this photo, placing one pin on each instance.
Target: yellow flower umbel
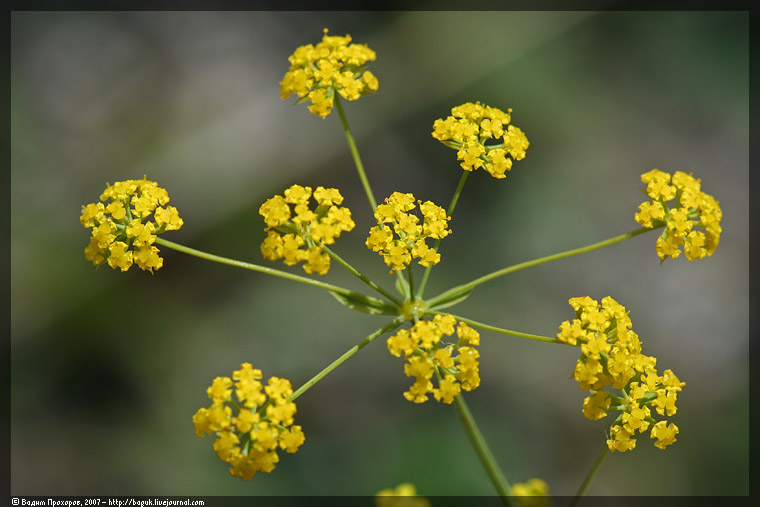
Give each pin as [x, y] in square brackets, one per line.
[333, 65]
[691, 208]
[406, 239]
[252, 424]
[403, 495]
[295, 233]
[468, 129]
[534, 493]
[125, 227]
[456, 364]
[611, 358]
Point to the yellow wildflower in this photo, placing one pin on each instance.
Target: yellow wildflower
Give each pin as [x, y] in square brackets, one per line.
[427, 355]
[620, 440]
[333, 66]
[250, 426]
[596, 406]
[470, 126]
[122, 231]
[403, 495]
[296, 233]
[665, 435]
[690, 208]
[611, 359]
[399, 237]
[533, 493]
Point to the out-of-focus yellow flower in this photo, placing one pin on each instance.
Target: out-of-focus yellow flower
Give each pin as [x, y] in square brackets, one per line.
[533, 493]
[403, 495]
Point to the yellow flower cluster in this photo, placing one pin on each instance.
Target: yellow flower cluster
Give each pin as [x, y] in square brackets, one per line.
[409, 240]
[403, 495]
[611, 357]
[333, 65]
[534, 493]
[249, 430]
[125, 227]
[691, 208]
[295, 233]
[470, 126]
[421, 346]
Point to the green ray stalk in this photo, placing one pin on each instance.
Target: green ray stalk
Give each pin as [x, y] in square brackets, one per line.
[484, 452]
[536, 262]
[256, 267]
[355, 154]
[350, 352]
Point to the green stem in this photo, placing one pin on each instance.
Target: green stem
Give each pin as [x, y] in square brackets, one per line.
[410, 276]
[590, 476]
[449, 213]
[536, 262]
[484, 453]
[355, 154]
[361, 276]
[495, 329]
[400, 278]
[457, 192]
[353, 350]
[255, 267]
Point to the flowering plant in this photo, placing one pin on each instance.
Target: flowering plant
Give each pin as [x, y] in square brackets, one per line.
[439, 348]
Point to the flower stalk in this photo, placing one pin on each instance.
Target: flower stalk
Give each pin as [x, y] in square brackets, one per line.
[361, 276]
[495, 329]
[590, 476]
[449, 213]
[346, 355]
[255, 267]
[355, 155]
[484, 452]
[536, 262]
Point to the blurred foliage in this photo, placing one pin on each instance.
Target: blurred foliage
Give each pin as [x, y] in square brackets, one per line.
[107, 368]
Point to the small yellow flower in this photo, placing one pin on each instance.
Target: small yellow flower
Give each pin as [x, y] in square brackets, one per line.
[399, 237]
[664, 433]
[296, 233]
[690, 208]
[611, 359]
[533, 493]
[122, 232]
[403, 495]
[468, 129]
[333, 66]
[596, 406]
[427, 355]
[620, 440]
[246, 438]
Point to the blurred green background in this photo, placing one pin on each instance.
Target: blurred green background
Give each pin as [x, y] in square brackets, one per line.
[109, 367]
